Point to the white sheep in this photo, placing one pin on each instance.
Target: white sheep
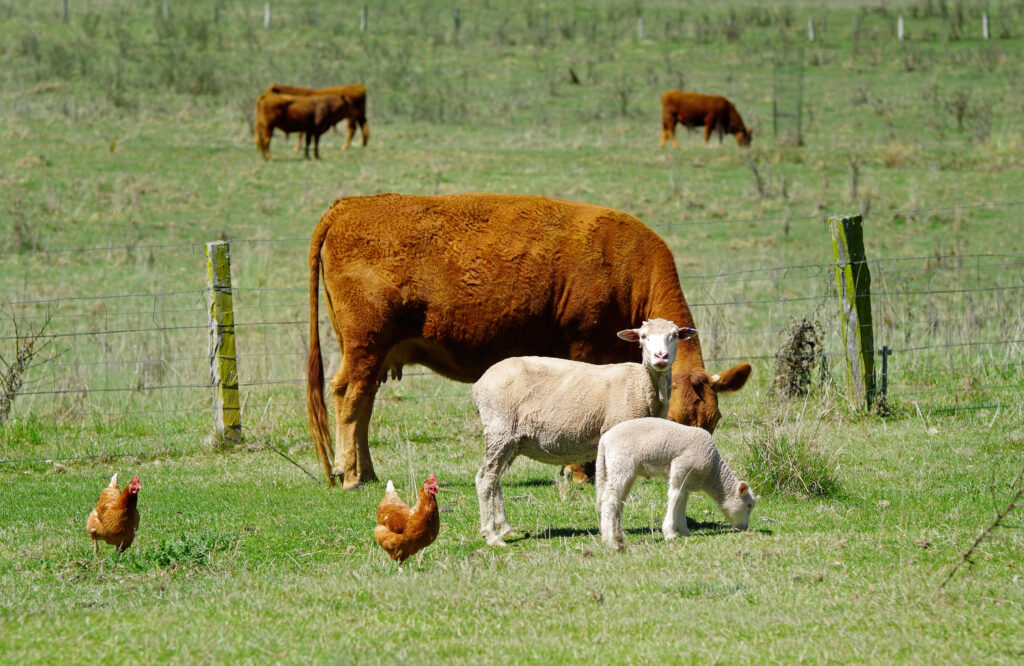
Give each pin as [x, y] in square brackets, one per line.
[555, 410]
[685, 455]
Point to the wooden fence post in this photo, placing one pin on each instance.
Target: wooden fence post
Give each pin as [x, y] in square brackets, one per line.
[64, 11]
[364, 18]
[853, 280]
[223, 371]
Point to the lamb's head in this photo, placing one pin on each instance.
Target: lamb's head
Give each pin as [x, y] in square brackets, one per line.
[659, 341]
[738, 504]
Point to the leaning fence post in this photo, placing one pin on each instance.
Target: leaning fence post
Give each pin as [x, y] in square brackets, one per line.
[853, 280]
[223, 371]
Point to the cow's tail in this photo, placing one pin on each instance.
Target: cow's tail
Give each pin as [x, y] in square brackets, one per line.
[319, 427]
[600, 477]
[259, 129]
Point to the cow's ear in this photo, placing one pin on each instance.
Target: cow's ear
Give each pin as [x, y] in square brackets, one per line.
[630, 334]
[732, 379]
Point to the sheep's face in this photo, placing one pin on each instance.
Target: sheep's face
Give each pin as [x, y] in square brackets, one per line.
[659, 341]
[738, 504]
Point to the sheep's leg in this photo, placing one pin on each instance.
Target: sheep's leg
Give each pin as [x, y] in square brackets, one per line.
[497, 457]
[611, 518]
[501, 526]
[674, 524]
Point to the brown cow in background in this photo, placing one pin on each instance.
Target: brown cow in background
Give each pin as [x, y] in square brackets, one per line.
[310, 114]
[354, 94]
[459, 282]
[691, 109]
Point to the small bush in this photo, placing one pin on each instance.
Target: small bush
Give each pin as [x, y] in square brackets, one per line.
[187, 550]
[781, 457]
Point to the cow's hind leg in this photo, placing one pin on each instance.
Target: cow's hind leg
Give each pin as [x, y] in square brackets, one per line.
[351, 133]
[355, 387]
[365, 127]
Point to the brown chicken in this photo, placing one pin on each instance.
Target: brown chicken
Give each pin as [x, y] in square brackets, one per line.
[403, 531]
[116, 516]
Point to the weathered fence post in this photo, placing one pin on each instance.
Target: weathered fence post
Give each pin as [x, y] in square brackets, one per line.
[223, 371]
[853, 280]
[266, 16]
[899, 28]
[984, 25]
[810, 28]
[363, 18]
[64, 10]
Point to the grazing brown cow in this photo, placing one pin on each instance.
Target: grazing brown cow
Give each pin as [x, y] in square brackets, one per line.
[691, 109]
[354, 94]
[459, 282]
[312, 115]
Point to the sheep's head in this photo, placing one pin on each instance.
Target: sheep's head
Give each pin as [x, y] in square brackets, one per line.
[738, 504]
[659, 341]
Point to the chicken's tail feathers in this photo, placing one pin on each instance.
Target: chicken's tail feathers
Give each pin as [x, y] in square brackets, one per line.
[391, 487]
[113, 481]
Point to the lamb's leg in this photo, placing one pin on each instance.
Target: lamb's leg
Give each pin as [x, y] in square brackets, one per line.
[616, 490]
[675, 514]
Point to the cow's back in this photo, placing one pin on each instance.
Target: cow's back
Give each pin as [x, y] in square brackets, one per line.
[692, 108]
[487, 276]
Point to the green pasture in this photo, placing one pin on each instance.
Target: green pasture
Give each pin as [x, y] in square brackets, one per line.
[126, 144]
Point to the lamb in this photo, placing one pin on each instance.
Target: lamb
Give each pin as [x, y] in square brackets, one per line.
[555, 410]
[685, 455]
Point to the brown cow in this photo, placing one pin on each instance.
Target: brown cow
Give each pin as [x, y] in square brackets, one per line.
[312, 115]
[691, 109]
[354, 94]
[459, 282]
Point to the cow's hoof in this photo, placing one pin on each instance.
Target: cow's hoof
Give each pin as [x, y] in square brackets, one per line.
[368, 478]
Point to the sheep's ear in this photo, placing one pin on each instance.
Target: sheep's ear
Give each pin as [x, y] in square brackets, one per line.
[743, 488]
[630, 334]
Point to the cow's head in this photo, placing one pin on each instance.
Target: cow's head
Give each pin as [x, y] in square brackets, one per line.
[695, 395]
[743, 136]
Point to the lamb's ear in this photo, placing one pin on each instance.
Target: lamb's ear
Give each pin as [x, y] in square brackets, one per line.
[742, 489]
[630, 335]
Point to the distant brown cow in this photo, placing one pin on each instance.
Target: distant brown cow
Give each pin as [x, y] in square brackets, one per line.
[312, 115]
[459, 282]
[691, 109]
[354, 94]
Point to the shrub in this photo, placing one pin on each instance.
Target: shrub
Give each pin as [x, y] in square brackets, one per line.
[782, 457]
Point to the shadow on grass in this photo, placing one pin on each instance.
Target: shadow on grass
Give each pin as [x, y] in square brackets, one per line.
[694, 526]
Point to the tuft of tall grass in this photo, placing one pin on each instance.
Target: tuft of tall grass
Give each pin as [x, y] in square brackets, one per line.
[786, 454]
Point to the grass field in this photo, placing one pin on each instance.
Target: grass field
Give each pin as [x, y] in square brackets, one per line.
[125, 145]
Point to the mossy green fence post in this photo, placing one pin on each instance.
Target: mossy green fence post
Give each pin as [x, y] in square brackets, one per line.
[853, 281]
[223, 370]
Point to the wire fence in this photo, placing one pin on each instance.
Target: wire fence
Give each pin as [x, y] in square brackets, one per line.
[953, 322]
